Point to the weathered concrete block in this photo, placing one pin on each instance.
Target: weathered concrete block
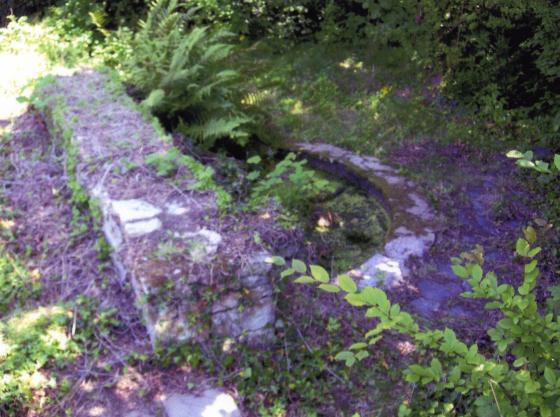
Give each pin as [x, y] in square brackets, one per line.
[193, 276]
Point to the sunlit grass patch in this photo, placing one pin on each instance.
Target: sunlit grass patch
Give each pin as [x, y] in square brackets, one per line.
[30, 342]
[364, 99]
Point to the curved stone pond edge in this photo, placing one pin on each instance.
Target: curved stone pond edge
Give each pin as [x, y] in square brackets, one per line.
[411, 231]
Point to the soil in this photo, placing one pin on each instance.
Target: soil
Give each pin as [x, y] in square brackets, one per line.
[45, 234]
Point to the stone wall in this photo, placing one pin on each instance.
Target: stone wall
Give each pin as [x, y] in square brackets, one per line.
[194, 274]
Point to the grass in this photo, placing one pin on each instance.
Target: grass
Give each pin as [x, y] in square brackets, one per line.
[364, 99]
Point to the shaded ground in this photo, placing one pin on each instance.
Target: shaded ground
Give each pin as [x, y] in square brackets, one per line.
[109, 378]
[481, 200]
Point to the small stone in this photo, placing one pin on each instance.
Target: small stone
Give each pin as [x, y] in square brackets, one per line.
[381, 269]
[175, 209]
[211, 403]
[140, 228]
[132, 210]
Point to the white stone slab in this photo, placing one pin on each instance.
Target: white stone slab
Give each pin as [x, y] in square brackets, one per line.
[143, 227]
[133, 210]
[211, 403]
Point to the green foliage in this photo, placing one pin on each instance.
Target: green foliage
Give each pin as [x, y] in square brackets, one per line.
[16, 283]
[454, 379]
[290, 182]
[29, 342]
[36, 342]
[183, 73]
[258, 18]
[168, 164]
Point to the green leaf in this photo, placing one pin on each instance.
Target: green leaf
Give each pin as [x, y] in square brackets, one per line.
[519, 362]
[476, 272]
[533, 252]
[436, 367]
[460, 271]
[253, 175]
[287, 272]
[375, 297]
[329, 288]
[347, 284]
[557, 161]
[154, 99]
[299, 266]
[531, 387]
[524, 163]
[254, 160]
[354, 300]
[514, 154]
[319, 273]
[522, 247]
[550, 376]
[530, 267]
[359, 345]
[530, 234]
[275, 260]
[361, 355]
[347, 357]
[304, 279]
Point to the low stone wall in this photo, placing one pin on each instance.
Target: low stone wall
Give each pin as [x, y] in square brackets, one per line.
[412, 229]
[193, 276]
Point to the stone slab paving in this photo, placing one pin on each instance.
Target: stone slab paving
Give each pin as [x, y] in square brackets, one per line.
[412, 229]
[193, 277]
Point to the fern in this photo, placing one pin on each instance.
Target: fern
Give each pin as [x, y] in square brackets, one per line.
[181, 72]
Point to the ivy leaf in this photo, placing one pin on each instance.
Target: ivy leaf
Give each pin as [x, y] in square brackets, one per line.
[347, 284]
[319, 273]
[299, 266]
[329, 288]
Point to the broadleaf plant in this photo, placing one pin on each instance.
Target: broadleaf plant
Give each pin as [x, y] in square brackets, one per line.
[519, 376]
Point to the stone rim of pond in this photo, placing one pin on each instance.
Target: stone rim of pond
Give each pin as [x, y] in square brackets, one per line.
[411, 232]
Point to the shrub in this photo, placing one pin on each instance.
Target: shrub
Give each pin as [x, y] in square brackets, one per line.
[16, 283]
[289, 181]
[182, 73]
[518, 377]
